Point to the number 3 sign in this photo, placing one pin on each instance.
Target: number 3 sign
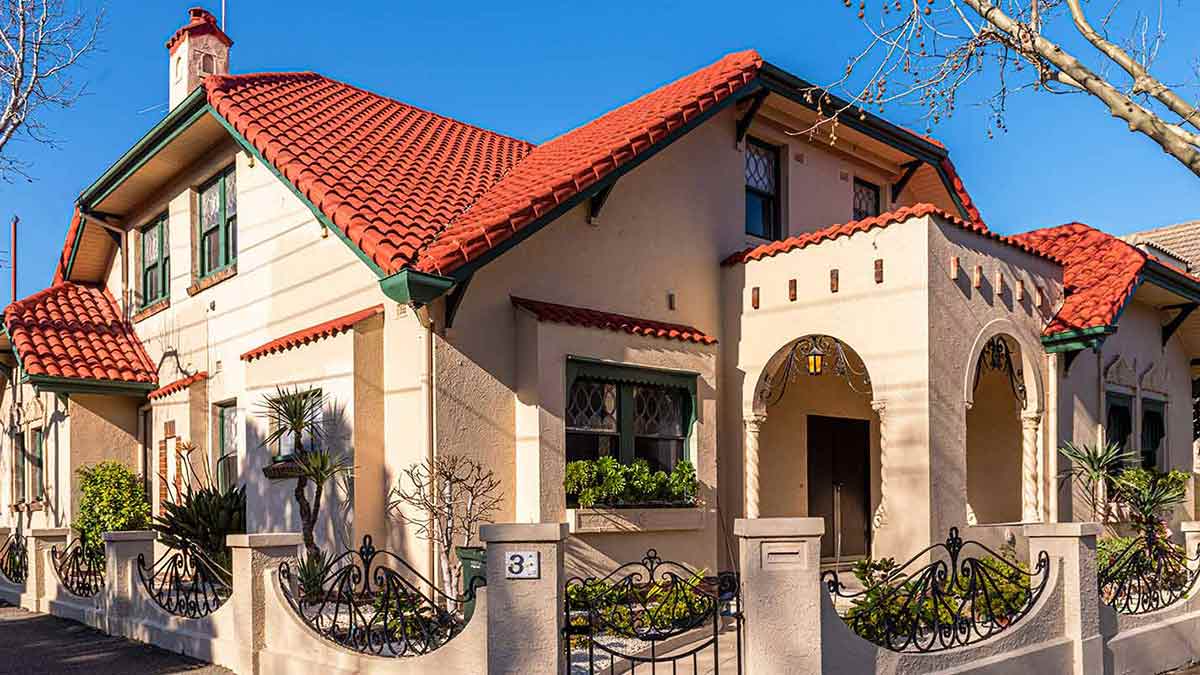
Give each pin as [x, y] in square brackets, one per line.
[521, 565]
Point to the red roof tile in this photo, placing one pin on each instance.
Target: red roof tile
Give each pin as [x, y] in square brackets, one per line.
[387, 174]
[593, 318]
[177, 386]
[855, 226]
[1100, 274]
[312, 334]
[565, 166]
[76, 331]
[201, 22]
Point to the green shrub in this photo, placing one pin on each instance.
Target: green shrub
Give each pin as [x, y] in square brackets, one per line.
[310, 573]
[112, 499]
[202, 518]
[628, 609]
[607, 482]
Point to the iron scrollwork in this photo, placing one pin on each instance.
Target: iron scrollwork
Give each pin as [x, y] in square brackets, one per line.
[998, 356]
[371, 601]
[628, 614]
[953, 601]
[795, 365]
[80, 569]
[1149, 574]
[14, 558]
[186, 582]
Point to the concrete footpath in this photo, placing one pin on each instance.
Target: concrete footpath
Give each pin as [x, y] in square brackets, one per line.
[40, 643]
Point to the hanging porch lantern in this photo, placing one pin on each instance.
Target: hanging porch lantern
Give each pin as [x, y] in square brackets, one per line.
[816, 360]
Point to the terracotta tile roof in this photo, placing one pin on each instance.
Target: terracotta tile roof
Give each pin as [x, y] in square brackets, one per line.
[387, 174]
[60, 270]
[313, 333]
[565, 166]
[882, 220]
[76, 331]
[620, 323]
[200, 22]
[177, 386]
[961, 190]
[1100, 274]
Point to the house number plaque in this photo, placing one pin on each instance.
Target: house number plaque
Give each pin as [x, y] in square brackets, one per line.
[521, 565]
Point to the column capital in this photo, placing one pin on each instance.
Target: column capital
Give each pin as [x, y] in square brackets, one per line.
[1030, 419]
[754, 421]
[879, 405]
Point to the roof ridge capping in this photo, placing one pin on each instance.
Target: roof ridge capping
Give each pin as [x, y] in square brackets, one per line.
[585, 317]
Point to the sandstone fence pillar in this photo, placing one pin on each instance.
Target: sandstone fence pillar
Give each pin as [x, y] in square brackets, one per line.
[253, 555]
[40, 573]
[525, 597]
[121, 550]
[781, 593]
[1191, 540]
[1073, 546]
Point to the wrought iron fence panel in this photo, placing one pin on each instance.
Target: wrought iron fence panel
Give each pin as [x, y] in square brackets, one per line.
[953, 601]
[372, 601]
[186, 582]
[1149, 574]
[653, 612]
[14, 558]
[80, 569]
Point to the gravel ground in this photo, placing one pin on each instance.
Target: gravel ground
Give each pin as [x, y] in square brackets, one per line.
[40, 643]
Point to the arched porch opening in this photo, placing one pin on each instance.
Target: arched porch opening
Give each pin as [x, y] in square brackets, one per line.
[818, 442]
[996, 454]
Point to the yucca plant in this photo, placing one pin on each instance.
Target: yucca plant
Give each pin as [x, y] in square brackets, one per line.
[1093, 468]
[295, 413]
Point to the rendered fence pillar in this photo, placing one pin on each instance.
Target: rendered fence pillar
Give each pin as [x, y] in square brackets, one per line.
[781, 593]
[525, 597]
[1073, 546]
[121, 550]
[1191, 540]
[40, 573]
[254, 554]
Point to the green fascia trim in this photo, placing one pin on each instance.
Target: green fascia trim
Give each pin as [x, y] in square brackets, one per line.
[1073, 340]
[16, 354]
[176, 121]
[1171, 280]
[410, 287]
[317, 213]
[949, 185]
[67, 385]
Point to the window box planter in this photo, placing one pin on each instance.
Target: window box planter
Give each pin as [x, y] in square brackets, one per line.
[645, 518]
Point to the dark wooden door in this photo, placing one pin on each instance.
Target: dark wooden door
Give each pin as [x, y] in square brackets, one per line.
[839, 456]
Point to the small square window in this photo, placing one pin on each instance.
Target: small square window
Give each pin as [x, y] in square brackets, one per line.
[866, 199]
[762, 190]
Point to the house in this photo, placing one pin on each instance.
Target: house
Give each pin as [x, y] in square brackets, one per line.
[820, 320]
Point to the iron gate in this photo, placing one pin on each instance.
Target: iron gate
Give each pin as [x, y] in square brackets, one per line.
[653, 616]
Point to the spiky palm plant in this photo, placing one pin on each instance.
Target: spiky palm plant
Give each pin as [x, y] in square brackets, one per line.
[1094, 467]
[294, 413]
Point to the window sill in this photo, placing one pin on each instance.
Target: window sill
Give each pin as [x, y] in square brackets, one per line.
[151, 309]
[27, 506]
[608, 520]
[212, 280]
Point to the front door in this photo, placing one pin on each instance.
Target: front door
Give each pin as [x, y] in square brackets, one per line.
[839, 454]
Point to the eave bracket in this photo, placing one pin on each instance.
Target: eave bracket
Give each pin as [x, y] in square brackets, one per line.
[743, 125]
[1185, 310]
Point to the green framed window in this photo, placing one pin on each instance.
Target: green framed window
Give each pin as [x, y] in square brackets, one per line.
[37, 465]
[19, 461]
[227, 425]
[156, 261]
[218, 223]
[762, 190]
[1154, 432]
[628, 412]
[1118, 416]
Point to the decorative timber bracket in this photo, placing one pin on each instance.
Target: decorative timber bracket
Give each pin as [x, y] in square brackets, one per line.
[596, 203]
[1185, 310]
[743, 125]
[909, 169]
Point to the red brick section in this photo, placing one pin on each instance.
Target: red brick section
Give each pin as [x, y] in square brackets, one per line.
[388, 175]
[177, 386]
[1100, 273]
[312, 334]
[867, 224]
[200, 22]
[74, 330]
[561, 168]
[593, 318]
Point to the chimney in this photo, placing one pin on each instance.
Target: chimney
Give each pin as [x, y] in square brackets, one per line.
[199, 49]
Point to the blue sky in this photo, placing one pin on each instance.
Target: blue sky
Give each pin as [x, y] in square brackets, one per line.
[536, 69]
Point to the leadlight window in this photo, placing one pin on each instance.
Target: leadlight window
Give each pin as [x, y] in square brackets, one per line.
[628, 413]
[19, 461]
[762, 190]
[156, 261]
[218, 223]
[1154, 432]
[227, 426]
[1118, 427]
[38, 465]
[866, 199]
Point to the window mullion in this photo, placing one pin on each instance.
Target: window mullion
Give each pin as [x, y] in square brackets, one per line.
[625, 414]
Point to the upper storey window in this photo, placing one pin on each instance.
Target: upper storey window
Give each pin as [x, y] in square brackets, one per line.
[866, 199]
[762, 190]
[156, 261]
[218, 223]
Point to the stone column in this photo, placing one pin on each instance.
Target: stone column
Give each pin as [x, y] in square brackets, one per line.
[753, 424]
[1191, 541]
[40, 573]
[880, 517]
[121, 550]
[525, 613]
[1030, 508]
[781, 593]
[1072, 546]
[253, 555]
